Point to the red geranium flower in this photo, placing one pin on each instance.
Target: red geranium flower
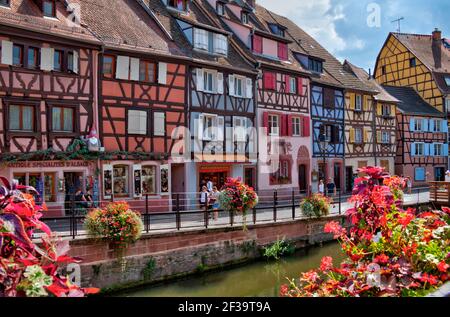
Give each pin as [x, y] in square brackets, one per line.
[428, 278]
[442, 267]
[326, 264]
[382, 259]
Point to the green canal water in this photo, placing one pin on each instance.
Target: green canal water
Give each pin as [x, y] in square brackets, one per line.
[258, 279]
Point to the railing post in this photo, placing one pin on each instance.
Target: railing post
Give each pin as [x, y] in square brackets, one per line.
[231, 218]
[275, 198]
[147, 216]
[206, 216]
[293, 205]
[72, 218]
[178, 216]
[340, 199]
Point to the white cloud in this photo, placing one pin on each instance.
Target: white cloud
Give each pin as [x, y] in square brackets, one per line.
[318, 18]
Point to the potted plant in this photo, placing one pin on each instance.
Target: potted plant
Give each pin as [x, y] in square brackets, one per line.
[317, 205]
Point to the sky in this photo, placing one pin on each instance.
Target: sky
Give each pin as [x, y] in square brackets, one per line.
[356, 29]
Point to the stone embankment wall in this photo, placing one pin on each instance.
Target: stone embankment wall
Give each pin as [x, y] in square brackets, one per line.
[158, 257]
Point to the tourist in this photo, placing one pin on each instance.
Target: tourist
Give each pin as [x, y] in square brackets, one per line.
[409, 184]
[214, 198]
[210, 185]
[89, 198]
[447, 177]
[321, 187]
[204, 198]
[80, 201]
[331, 187]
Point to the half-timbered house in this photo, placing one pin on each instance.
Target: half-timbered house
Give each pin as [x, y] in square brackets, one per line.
[141, 100]
[369, 127]
[422, 144]
[47, 98]
[419, 61]
[282, 93]
[220, 87]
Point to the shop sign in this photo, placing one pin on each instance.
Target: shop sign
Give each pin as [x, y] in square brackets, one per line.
[49, 164]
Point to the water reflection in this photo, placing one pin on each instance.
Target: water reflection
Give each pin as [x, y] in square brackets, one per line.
[260, 279]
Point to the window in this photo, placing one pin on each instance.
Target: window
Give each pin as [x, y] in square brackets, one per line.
[419, 174]
[70, 62]
[209, 127]
[147, 71]
[137, 122]
[270, 80]
[159, 124]
[149, 179]
[277, 29]
[385, 137]
[383, 70]
[358, 103]
[181, 5]
[436, 125]
[240, 130]
[4, 3]
[33, 58]
[274, 125]
[386, 110]
[62, 119]
[244, 17]
[49, 8]
[283, 51]
[21, 118]
[109, 65]
[447, 80]
[447, 102]
[201, 40]
[358, 136]
[220, 8]
[284, 169]
[121, 184]
[327, 130]
[238, 86]
[438, 149]
[17, 55]
[58, 60]
[293, 85]
[296, 126]
[418, 125]
[412, 62]
[208, 81]
[315, 65]
[419, 149]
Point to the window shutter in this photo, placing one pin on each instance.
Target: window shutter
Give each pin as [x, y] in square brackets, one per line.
[426, 149]
[445, 150]
[352, 101]
[257, 44]
[282, 51]
[220, 44]
[231, 80]
[366, 103]
[266, 121]
[7, 52]
[289, 125]
[379, 137]
[283, 125]
[199, 79]
[380, 110]
[413, 149]
[47, 58]
[366, 135]
[336, 136]
[159, 120]
[162, 73]
[137, 180]
[123, 67]
[220, 128]
[425, 125]
[134, 69]
[287, 84]
[352, 135]
[393, 109]
[431, 126]
[220, 83]
[412, 124]
[248, 88]
[444, 126]
[200, 130]
[76, 61]
[306, 127]
[432, 147]
[269, 80]
[300, 86]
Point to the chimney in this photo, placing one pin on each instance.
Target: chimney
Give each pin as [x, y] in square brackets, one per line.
[436, 48]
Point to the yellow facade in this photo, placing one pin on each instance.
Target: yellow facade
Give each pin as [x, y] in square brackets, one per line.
[394, 69]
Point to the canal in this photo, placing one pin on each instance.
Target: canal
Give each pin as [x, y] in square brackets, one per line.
[258, 279]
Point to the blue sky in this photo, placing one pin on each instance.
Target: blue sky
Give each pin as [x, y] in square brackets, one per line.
[342, 27]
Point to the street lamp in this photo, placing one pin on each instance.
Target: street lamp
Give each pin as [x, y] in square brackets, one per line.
[323, 143]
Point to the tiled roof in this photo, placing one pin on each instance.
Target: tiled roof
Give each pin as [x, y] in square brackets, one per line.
[26, 14]
[411, 103]
[382, 94]
[422, 47]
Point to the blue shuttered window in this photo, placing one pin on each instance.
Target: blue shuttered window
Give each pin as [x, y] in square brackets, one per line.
[412, 124]
[413, 149]
[420, 174]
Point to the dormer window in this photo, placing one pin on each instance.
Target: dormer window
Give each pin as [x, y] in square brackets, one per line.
[447, 81]
[49, 8]
[4, 3]
[315, 65]
[220, 9]
[213, 43]
[180, 5]
[277, 29]
[244, 18]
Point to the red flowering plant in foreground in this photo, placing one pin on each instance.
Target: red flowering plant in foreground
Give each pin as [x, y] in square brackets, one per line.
[237, 197]
[391, 251]
[28, 269]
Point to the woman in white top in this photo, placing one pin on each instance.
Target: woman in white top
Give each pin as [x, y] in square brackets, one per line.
[204, 197]
[321, 187]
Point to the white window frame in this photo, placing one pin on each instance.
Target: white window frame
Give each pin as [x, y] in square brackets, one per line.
[222, 6]
[240, 131]
[201, 39]
[273, 118]
[209, 76]
[328, 129]
[437, 125]
[241, 80]
[220, 44]
[441, 149]
[447, 80]
[359, 135]
[244, 20]
[386, 110]
[422, 146]
[418, 125]
[358, 103]
[293, 85]
[447, 102]
[213, 134]
[296, 125]
[385, 137]
[141, 128]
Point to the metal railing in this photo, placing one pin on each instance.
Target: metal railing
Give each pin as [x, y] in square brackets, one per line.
[275, 206]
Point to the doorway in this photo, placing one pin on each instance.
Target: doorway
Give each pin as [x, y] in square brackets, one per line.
[217, 178]
[439, 174]
[337, 175]
[72, 181]
[349, 179]
[249, 177]
[302, 181]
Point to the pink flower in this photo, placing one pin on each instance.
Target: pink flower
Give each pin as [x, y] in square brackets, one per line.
[442, 267]
[326, 264]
